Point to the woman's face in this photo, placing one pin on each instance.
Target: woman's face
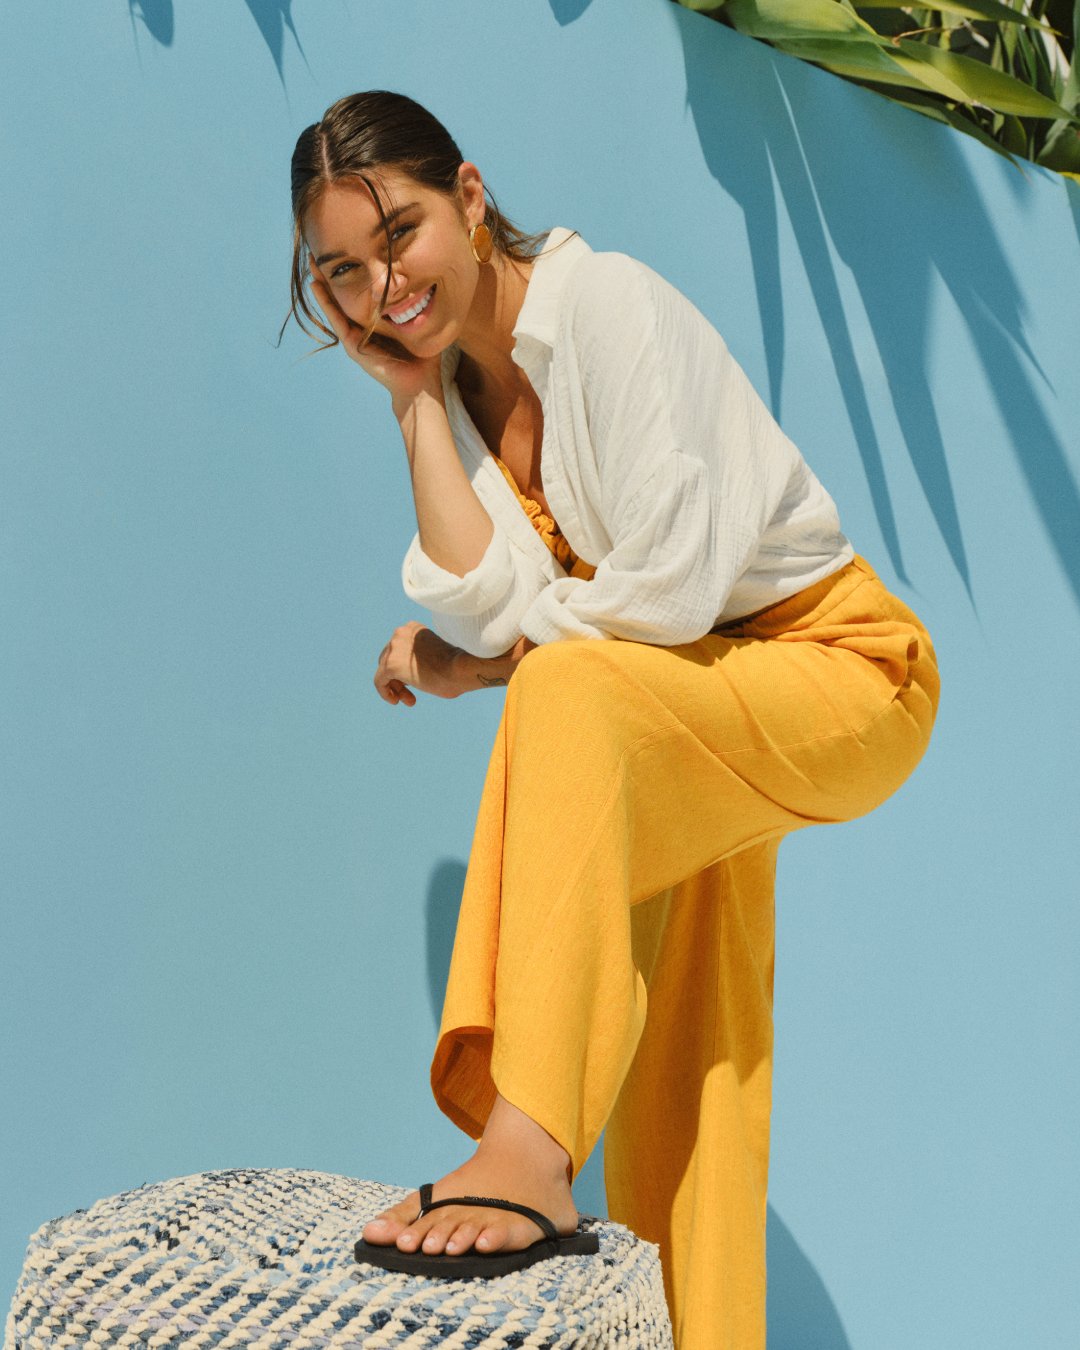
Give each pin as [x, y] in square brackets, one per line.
[433, 267]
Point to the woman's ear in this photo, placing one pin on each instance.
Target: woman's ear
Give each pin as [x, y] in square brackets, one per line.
[471, 187]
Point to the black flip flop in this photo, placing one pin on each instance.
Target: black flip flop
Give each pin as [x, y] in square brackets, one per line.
[391, 1257]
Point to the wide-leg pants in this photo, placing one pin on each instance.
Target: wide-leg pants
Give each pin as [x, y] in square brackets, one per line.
[613, 963]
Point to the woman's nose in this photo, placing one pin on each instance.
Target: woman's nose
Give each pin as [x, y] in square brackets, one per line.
[397, 287]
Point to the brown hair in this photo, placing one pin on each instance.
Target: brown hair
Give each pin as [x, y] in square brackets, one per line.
[358, 136]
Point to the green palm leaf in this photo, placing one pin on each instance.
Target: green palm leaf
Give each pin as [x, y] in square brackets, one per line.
[1024, 78]
[1062, 148]
[983, 84]
[775, 19]
[865, 60]
[992, 10]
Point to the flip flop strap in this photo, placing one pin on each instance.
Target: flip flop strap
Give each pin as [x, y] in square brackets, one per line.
[542, 1221]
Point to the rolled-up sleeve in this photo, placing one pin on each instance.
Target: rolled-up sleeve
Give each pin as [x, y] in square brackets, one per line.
[434, 587]
[479, 611]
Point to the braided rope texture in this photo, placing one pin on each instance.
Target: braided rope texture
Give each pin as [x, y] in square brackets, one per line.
[263, 1257]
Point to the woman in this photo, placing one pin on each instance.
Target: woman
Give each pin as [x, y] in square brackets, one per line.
[611, 524]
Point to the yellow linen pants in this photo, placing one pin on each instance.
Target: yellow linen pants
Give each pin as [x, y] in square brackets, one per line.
[613, 963]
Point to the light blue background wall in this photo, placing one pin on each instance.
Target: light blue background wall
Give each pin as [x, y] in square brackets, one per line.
[230, 871]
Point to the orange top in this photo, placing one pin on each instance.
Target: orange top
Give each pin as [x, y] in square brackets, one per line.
[548, 531]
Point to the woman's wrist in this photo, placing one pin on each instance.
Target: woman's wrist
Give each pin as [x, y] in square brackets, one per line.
[408, 407]
[484, 672]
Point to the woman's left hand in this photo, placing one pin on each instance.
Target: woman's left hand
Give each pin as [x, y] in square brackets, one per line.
[416, 656]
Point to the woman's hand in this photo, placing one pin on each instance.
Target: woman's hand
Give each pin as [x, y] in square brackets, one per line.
[415, 655]
[405, 376]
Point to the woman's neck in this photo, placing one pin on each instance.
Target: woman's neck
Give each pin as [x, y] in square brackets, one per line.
[487, 339]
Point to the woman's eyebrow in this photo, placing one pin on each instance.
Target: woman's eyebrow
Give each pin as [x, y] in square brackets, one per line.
[391, 216]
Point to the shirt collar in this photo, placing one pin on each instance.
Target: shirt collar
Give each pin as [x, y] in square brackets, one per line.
[534, 332]
[538, 316]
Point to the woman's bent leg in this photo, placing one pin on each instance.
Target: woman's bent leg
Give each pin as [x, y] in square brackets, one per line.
[619, 771]
[686, 1151]
[597, 797]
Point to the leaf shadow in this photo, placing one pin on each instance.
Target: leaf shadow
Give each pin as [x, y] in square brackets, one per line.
[763, 118]
[273, 18]
[157, 18]
[567, 11]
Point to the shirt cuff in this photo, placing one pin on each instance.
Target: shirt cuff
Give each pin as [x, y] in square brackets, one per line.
[433, 587]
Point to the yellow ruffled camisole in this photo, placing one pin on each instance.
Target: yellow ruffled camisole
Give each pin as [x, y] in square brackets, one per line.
[548, 531]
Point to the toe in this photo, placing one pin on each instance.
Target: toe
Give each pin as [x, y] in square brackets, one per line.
[435, 1238]
[380, 1230]
[387, 1226]
[492, 1237]
[408, 1239]
[462, 1238]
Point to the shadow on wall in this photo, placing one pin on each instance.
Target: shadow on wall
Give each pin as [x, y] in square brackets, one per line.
[445, 889]
[156, 16]
[566, 11]
[814, 149]
[272, 16]
[801, 1315]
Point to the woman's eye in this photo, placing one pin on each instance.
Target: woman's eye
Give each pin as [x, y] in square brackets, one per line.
[397, 236]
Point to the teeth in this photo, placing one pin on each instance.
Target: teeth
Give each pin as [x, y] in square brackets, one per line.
[412, 313]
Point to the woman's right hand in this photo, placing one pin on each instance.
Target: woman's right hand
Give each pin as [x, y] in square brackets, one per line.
[405, 377]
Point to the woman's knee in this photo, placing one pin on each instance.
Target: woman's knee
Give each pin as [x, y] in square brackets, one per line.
[580, 692]
[556, 662]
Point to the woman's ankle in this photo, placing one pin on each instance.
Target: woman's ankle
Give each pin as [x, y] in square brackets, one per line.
[511, 1135]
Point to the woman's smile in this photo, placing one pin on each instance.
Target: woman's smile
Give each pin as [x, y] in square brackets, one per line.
[411, 315]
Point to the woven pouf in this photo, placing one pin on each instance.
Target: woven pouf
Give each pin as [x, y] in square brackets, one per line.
[264, 1257]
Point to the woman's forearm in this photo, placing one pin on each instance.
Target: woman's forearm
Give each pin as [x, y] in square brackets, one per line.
[455, 530]
[482, 672]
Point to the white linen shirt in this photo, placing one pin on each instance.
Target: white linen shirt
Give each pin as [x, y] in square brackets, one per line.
[661, 464]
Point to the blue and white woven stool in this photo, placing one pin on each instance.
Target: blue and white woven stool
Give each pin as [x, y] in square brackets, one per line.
[263, 1257]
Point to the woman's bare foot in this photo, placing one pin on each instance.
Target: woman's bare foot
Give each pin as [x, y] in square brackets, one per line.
[515, 1160]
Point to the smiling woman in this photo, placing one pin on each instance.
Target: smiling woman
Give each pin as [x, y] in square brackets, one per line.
[375, 262]
[706, 666]
[377, 144]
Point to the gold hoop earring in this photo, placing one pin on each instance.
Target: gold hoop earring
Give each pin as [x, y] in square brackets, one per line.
[481, 243]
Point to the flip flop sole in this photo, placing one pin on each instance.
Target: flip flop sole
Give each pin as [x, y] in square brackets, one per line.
[473, 1263]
